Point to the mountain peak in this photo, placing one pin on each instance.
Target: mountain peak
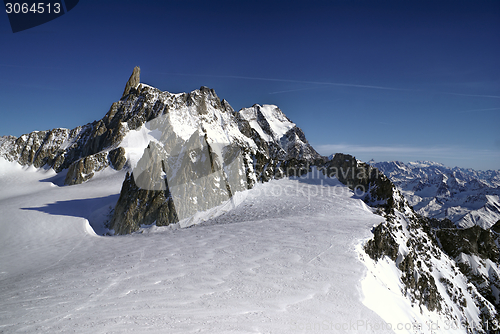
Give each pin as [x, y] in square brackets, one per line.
[133, 81]
[425, 163]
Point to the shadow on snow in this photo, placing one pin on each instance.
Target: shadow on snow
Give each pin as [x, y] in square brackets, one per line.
[95, 210]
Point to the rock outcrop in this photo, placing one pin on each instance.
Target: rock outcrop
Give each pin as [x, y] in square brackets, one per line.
[442, 268]
[83, 169]
[138, 206]
[133, 81]
[382, 244]
[367, 182]
[472, 241]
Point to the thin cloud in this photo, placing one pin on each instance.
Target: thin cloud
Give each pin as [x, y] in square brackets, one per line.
[338, 84]
[293, 90]
[321, 83]
[346, 148]
[30, 66]
[296, 81]
[30, 86]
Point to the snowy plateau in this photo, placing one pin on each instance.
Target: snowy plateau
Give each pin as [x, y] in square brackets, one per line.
[273, 264]
[95, 240]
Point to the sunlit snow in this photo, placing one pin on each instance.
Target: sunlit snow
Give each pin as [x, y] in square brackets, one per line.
[283, 260]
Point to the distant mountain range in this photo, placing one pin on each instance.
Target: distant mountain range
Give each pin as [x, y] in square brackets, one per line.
[467, 197]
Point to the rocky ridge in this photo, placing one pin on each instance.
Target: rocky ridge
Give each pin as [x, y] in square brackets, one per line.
[443, 269]
[450, 271]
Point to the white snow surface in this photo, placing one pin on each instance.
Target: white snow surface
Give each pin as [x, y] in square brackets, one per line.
[136, 141]
[277, 120]
[283, 261]
[279, 124]
[484, 216]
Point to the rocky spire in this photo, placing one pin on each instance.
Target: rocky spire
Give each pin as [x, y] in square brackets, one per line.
[133, 81]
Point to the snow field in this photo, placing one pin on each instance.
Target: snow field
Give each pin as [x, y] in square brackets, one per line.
[273, 264]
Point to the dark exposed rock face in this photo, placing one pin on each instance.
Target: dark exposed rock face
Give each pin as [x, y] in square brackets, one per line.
[138, 207]
[366, 181]
[133, 81]
[472, 241]
[414, 260]
[383, 243]
[84, 168]
[117, 158]
[37, 148]
[61, 148]
[5, 139]
[475, 241]
[420, 286]
[439, 224]
[496, 227]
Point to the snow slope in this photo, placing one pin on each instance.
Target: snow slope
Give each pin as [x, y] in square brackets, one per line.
[282, 261]
[277, 122]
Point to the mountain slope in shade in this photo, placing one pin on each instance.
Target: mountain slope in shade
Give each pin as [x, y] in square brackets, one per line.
[464, 196]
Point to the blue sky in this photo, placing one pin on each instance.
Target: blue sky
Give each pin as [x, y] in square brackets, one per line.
[388, 80]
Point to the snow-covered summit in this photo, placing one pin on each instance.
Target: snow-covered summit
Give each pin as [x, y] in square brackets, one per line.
[201, 150]
[268, 120]
[424, 163]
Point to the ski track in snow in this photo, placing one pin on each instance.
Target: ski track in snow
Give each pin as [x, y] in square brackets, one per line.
[273, 264]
